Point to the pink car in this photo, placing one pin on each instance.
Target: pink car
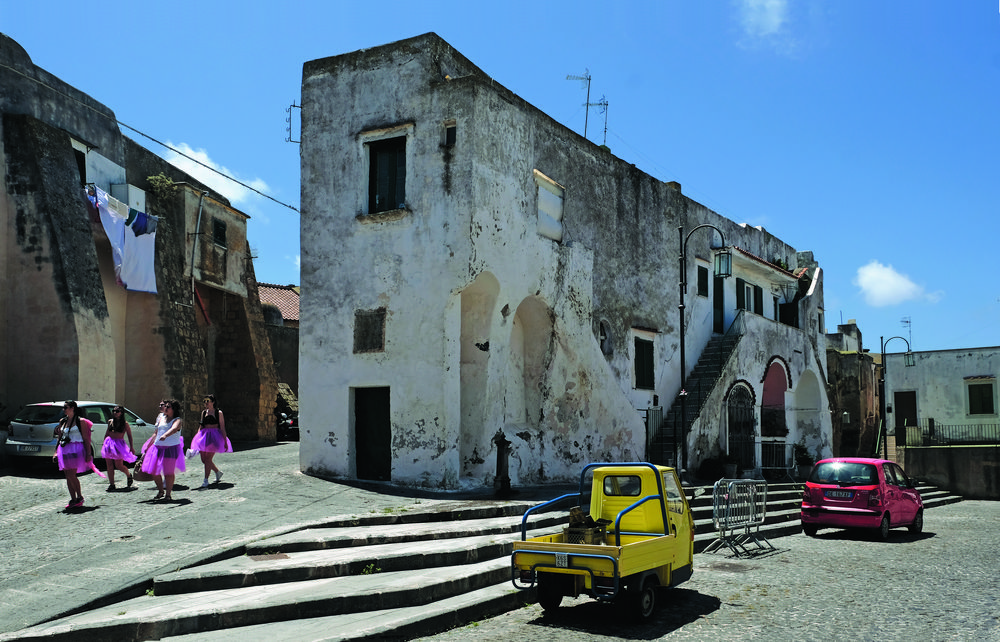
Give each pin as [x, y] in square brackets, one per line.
[855, 492]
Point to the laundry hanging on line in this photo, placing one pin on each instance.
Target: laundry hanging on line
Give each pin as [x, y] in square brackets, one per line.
[133, 241]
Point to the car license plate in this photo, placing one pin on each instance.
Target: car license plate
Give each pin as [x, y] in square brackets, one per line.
[28, 449]
[840, 494]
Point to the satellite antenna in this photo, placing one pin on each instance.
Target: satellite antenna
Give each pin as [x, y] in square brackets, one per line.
[586, 78]
[603, 104]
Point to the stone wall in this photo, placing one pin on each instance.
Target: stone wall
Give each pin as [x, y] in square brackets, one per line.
[970, 471]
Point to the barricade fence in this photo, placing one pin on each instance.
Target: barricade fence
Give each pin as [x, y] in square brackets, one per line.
[739, 507]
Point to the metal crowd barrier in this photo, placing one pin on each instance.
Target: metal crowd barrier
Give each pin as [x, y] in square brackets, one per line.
[738, 510]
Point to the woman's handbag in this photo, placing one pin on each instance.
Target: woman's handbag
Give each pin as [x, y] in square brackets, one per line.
[138, 474]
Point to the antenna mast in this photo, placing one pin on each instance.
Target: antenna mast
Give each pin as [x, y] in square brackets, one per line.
[586, 78]
[603, 104]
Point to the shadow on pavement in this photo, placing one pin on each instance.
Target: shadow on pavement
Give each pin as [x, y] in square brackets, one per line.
[860, 535]
[676, 608]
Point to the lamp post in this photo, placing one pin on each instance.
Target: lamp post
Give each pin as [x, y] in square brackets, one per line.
[908, 362]
[723, 268]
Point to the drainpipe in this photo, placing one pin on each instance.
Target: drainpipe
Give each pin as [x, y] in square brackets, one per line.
[194, 252]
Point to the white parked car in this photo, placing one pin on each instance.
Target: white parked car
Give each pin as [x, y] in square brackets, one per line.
[31, 432]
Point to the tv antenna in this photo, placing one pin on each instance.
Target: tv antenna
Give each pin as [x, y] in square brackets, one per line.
[603, 104]
[586, 78]
[905, 321]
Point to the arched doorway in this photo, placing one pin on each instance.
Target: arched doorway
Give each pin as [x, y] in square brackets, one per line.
[742, 424]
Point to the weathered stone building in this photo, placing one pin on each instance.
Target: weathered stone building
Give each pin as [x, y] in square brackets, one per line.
[68, 328]
[853, 390]
[475, 274]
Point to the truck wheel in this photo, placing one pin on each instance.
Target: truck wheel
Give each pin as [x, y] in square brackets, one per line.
[549, 592]
[645, 599]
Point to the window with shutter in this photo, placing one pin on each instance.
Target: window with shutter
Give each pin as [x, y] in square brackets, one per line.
[643, 364]
[387, 174]
[702, 280]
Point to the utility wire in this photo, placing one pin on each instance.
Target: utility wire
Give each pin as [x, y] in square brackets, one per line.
[158, 142]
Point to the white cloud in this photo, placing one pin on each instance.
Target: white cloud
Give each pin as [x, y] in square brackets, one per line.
[882, 285]
[237, 194]
[764, 18]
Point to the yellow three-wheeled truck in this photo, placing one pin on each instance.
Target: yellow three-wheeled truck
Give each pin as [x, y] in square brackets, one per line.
[637, 537]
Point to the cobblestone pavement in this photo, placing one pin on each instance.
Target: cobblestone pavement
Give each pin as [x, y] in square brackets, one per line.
[941, 585]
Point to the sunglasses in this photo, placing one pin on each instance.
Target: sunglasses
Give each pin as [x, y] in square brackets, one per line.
[117, 412]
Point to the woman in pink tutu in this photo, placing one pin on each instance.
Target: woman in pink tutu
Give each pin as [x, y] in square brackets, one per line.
[74, 453]
[166, 456]
[114, 451]
[211, 439]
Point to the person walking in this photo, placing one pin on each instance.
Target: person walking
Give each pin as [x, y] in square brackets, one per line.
[74, 453]
[211, 439]
[114, 451]
[165, 456]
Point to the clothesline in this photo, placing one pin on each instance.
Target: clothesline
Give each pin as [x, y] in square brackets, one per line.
[133, 239]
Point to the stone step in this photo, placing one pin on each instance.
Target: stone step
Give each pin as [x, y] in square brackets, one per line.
[279, 567]
[325, 537]
[155, 617]
[388, 624]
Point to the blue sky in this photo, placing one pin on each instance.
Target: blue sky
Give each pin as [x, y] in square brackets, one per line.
[865, 132]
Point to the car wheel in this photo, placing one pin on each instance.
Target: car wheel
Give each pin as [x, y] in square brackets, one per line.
[883, 529]
[809, 530]
[549, 592]
[918, 522]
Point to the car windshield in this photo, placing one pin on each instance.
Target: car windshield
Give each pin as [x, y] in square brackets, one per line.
[844, 473]
[39, 414]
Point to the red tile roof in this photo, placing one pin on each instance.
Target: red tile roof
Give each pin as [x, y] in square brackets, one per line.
[284, 297]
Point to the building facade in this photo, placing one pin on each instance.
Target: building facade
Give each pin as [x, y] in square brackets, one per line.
[477, 279]
[946, 397]
[88, 313]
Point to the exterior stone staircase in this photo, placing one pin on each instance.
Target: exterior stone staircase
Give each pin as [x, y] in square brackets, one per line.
[698, 386]
[377, 576]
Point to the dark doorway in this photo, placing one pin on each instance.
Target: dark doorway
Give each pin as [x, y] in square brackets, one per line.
[905, 406]
[718, 306]
[742, 436]
[372, 434]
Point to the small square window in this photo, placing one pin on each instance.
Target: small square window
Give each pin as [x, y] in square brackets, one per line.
[369, 330]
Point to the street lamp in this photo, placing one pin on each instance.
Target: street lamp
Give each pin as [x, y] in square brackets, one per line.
[723, 268]
[908, 362]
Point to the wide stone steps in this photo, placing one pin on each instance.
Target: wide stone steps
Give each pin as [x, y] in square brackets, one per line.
[363, 578]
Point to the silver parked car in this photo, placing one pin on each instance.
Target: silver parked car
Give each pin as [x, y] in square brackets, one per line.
[31, 432]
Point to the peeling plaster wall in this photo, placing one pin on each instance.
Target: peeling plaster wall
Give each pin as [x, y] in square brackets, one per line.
[489, 325]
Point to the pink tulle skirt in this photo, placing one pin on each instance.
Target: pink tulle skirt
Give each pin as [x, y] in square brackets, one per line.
[163, 460]
[117, 449]
[210, 440]
[72, 456]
